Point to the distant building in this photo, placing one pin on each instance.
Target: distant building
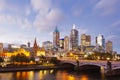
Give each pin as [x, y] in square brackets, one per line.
[109, 47]
[13, 47]
[66, 43]
[100, 42]
[23, 46]
[1, 48]
[56, 37]
[74, 38]
[85, 40]
[47, 45]
[28, 44]
[62, 43]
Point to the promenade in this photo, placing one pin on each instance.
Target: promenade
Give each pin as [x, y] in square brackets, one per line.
[29, 68]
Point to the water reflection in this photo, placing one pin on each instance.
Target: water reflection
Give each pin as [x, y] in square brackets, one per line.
[84, 77]
[53, 75]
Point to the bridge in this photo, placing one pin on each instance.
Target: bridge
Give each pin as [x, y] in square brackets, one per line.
[115, 65]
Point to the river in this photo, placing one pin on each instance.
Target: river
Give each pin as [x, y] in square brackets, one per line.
[55, 75]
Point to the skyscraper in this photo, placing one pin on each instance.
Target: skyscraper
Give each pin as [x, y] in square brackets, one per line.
[66, 43]
[74, 38]
[85, 40]
[100, 41]
[109, 47]
[56, 37]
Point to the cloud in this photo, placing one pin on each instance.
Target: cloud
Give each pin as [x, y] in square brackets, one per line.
[2, 5]
[14, 15]
[114, 38]
[111, 37]
[41, 5]
[115, 24]
[77, 11]
[47, 16]
[106, 7]
[14, 21]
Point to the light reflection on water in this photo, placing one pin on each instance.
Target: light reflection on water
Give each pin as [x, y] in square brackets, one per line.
[53, 75]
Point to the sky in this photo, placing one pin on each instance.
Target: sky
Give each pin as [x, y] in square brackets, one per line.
[23, 20]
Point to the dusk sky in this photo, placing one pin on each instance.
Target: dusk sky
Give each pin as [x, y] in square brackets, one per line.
[23, 20]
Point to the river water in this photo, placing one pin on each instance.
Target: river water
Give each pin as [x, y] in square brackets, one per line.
[55, 75]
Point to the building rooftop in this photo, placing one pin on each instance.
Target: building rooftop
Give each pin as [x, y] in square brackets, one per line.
[56, 29]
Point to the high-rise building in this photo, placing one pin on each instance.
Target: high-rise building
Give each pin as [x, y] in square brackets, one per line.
[28, 44]
[1, 48]
[74, 38]
[85, 40]
[47, 45]
[56, 37]
[100, 42]
[66, 43]
[62, 43]
[109, 47]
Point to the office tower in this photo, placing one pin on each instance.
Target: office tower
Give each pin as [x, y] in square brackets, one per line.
[47, 45]
[66, 43]
[109, 47]
[74, 38]
[62, 43]
[28, 44]
[56, 37]
[100, 41]
[85, 40]
[1, 48]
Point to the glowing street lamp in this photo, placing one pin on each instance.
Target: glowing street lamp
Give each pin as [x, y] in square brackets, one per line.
[108, 58]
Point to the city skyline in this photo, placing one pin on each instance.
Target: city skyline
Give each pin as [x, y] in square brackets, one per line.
[38, 18]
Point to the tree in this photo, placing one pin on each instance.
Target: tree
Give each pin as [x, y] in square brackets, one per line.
[20, 57]
[54, 60]
[1, 59]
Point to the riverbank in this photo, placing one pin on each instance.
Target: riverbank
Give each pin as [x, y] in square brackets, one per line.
[29, 68]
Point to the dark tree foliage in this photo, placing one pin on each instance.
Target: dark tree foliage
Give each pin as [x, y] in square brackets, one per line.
[20, 57]
[1, 59]
[54, 60]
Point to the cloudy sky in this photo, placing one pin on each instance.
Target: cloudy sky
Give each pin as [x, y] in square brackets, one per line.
[23, 20]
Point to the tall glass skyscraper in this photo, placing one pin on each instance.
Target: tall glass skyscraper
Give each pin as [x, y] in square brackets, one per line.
[100, 41]
[56, 37]
[74, 38]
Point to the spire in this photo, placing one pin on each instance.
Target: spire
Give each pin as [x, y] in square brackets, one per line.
[56, 29]
[35, 45]
[74, 26]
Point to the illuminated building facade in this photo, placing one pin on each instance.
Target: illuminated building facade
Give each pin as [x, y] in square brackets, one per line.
[47, 45]
[66, 43]
[62, 43]
[74, 38]
[100, 41]
[109, 46]
[85, 40]
[40, 51]
[56, 37]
